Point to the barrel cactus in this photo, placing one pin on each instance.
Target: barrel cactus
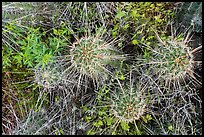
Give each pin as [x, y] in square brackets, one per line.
[172, 60]
[91, 57]
[48, 76]
[129, 103]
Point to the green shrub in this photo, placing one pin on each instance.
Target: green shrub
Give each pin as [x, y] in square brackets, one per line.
[134, 19]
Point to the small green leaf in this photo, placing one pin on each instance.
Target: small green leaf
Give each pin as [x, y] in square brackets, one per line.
[114, 133]
[109, 121]
[120, 44]
[152, 6]
[30, 64]
[122, 77]
[148, 43]
[101, 113]
[57, 98]
[170, 127]
[88, 118]
[126, 26]
[124, 125]
[46, 58]
[114, 33]
[90, 132]
[143, 38]
[135, 42]
[150, 37]
[100, 123]
[18, 58]
[61, 131]
[55, 31]
[159, 4]
[85, 108]
[134, 14]
[21, 42]
[148, 117]
[139, 32]
[144, 119]
[120, 14]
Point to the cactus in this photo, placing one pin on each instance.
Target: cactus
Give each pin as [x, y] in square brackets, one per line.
[128, 102]
[89, 58]
[128, 105]
[172, 60]
[48, 76]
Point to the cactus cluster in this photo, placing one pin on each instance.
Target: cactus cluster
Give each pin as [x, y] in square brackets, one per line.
[89, 59]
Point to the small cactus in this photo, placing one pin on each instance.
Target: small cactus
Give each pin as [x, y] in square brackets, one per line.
[90, 56]
[172, 60]
[129, 102]
[48, 76]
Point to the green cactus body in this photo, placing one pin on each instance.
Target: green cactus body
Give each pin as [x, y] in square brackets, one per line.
[91, 55]
[129, 104]
[172, 60]
[48, 76]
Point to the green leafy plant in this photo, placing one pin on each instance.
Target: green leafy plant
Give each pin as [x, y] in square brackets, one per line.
[141, 16]
[33, 51]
